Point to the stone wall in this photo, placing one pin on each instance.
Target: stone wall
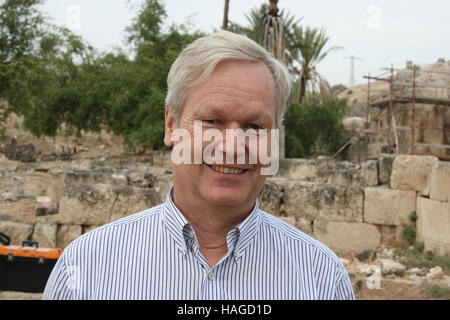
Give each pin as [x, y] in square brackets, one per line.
[352, 207]
[347, 206]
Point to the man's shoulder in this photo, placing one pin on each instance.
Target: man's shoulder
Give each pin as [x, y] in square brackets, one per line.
[298, 238]
[125, 224]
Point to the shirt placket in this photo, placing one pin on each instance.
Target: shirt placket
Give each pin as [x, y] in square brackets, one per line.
[211, 287]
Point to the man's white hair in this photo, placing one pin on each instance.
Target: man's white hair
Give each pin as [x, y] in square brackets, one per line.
[196, 62]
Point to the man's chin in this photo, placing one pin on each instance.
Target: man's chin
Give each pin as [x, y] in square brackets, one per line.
[225, 197]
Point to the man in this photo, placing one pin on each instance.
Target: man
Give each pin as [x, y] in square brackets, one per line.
[209, 240]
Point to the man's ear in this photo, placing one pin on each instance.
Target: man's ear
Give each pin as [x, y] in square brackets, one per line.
[168, 126]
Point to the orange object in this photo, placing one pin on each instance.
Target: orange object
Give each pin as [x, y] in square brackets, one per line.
[27, 267]
[30, 252]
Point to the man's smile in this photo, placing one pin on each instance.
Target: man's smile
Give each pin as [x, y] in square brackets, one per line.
[229, 171]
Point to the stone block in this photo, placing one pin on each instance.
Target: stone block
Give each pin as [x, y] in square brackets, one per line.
[45, 234]
[433, 225]
[38, 184]
[299, 169]
[17, 232]
[338, 173]
[388, 235]
[385, 163]
[333, 203]
[388, 206]
[389, 266]
[17, 209]
[8, 165]
[369, 173]
[411, 173]
[305, 225]
[160, 189]
[100, 204]
[46, 206]
[119, 179]
[439, 182]
[131, 200]
[272, 196]
[66, 233]
[162, 159]
[344, 237]
[73, 180]
[92, 205]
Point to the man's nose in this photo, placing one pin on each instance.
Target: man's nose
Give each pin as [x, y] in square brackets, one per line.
[234, 147]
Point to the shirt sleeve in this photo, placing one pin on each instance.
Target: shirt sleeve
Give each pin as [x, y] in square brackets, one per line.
[344, 289]
[60, 283]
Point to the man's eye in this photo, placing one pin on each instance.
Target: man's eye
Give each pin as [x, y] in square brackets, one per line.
[210, 121]
[255, 126]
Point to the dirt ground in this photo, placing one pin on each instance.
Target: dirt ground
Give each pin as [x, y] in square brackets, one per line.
[394, 290]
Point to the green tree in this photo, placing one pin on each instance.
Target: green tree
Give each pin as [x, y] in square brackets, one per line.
[314, 127]
[57, 82]
[138, 86]
[38, 61]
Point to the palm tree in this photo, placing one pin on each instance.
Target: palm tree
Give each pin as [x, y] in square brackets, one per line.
[308, 49]
[254, 30]
[225, 15]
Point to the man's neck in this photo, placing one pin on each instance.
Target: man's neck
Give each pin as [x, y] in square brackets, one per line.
[210, 223]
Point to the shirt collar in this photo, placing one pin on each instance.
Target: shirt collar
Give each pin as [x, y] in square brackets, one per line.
[175, 222]
[181, 231]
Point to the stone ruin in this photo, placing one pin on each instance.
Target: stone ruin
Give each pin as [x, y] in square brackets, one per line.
[347, 206]
[412, 118]
[357, 209]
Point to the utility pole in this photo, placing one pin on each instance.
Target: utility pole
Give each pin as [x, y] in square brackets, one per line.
[352, 69]
[225, 15]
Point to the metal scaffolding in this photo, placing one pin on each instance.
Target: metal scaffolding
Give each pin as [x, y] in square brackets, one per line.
[396, 103]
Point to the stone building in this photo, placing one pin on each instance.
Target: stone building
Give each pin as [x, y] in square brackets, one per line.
[409, 114]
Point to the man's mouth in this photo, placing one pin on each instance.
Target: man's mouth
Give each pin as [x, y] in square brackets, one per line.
[227, 170]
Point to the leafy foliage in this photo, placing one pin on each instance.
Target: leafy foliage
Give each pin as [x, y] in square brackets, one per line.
[57, 82]
[38, 61]
[438, 292]
[314, 126]
[308, 50]
[138, 86]
[416, 257]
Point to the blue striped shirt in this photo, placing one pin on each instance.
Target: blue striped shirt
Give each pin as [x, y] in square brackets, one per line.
[154, 254]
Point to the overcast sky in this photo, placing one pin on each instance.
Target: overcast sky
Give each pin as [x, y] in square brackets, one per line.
[380, 32]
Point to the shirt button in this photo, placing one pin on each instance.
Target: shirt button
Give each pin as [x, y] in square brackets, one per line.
[211, 276]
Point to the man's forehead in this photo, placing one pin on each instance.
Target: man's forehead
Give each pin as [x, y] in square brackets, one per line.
[257, 70]
[237, 78]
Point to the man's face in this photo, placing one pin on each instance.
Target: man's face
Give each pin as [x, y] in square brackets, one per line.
[237, 95]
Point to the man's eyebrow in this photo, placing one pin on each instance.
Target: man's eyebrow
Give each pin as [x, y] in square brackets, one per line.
[208, 110]
[212, 110]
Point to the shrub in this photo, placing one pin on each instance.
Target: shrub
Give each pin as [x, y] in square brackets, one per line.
[315, 127]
